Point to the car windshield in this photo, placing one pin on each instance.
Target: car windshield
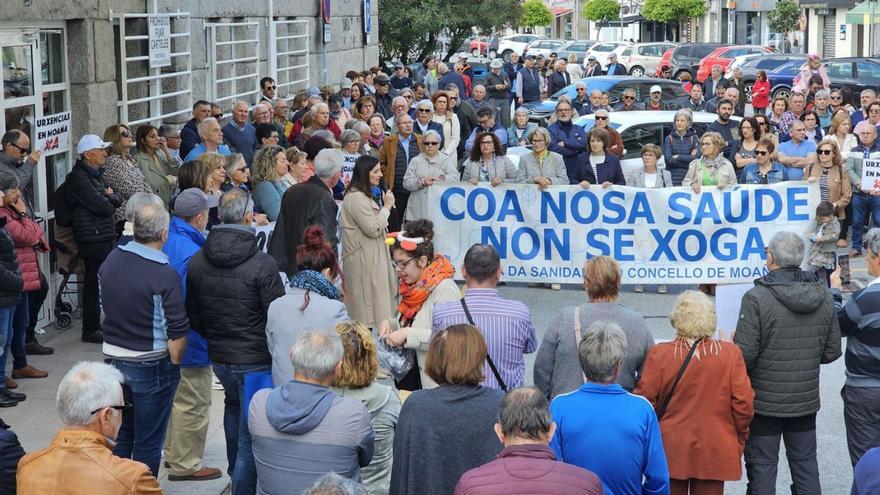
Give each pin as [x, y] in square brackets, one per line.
[788, 69]
[571, 89]
[588, 121]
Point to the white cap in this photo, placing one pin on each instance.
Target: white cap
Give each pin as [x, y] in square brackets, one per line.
[90, 142]
[656, 89]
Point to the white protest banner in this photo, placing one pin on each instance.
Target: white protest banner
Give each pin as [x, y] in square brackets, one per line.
[348, 168]
[671, 236]
[53, 132]
[870, 175]
[728, 301]
[160, 40]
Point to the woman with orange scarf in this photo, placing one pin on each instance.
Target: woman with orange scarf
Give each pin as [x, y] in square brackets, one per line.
[425, 279]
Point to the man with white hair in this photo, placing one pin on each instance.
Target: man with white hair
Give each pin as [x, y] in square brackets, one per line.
[302, 430]
[262, 113]
[320, 121]
[212, 140]
[478, 97]
[601, 412]
[399, 106]
[90, 403]
[787, 328]
[145, 327]
[559, 79]
[239, 133]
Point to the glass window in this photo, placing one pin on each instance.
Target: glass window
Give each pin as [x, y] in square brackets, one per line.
[840, 69]
[56, 171]
[626, 52]
[867, 70]
[52, 53]
[636, 137]
[53, 102]
[702, 51]
[604, 48]
[18, 79]
[21, 118]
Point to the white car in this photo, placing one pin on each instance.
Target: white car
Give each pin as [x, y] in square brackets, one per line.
[642, 58]
[603, 49]
[515, 43]
[543, 47]
[636, 130]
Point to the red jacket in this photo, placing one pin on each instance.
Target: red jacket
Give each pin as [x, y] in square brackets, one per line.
[528, 469]
[28, 238]
[761, 94]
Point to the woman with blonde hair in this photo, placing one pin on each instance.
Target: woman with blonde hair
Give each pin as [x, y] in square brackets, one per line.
[557, 366]
[357, 379]
[573, 68]
[121, 171]
[711, 169]
[841, 131]
[270, 166]
[834, 184]
[542, 166]
[705, 414]
[298, 168]
[444, 116]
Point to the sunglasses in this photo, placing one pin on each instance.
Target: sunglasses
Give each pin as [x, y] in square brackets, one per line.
[761, 153]
[431, 143]
[125, 134]
[24, 150]
[408, 97]
[836, 97]
[629, 97]
[601, 118]
[453, 98]
[271, 87]
[424, 110]
[217, 116]
[381, 83]
[581, 89]
[123, 408]
[825, 152]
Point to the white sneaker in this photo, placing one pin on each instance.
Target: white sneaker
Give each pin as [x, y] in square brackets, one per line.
[661, 289]
[639, 288]
[555, 287]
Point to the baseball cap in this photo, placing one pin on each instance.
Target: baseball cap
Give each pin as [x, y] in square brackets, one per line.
[530, 57]
[398, 65]
[190, 202]
[313, 91]
[381, 78]
[591, 57]
[90, 142]
[656, 89]
[346, 83]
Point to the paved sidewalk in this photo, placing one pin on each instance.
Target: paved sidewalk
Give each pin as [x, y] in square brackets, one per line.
[35, 421]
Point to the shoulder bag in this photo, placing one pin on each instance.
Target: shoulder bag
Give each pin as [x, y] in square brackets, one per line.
[662, 409]
[495, 372]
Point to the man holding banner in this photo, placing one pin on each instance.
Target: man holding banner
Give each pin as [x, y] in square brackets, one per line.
[864, 163]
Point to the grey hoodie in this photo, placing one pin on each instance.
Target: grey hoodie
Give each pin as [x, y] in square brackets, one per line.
[787, 328]
[302, 431]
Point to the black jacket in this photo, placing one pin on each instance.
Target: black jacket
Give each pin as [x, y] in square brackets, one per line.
[557, 81]
[787, 327]
[229, 286]
[10, 453]
[189, 137]
[11, 282]
[304, 204]
[91, 207]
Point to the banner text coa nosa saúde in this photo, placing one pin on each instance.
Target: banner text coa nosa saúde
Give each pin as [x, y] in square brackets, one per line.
[671, 236]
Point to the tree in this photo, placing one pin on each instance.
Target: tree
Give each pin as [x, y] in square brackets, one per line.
[601, 12]
[535, 13]
[673, 12]
[785, 19]
[412, 30]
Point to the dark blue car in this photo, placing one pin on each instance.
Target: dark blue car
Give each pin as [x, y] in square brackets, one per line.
[673, 94]
[856, 73]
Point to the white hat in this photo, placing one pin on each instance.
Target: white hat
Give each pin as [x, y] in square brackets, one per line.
[496, 64]
[656, 89]
[90, 142]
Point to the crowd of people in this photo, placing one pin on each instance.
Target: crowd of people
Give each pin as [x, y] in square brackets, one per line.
[352, 362]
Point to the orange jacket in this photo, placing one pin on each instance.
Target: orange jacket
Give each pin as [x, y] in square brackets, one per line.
[80, 461]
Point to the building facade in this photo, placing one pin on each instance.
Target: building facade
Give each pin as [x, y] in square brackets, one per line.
[93, 58]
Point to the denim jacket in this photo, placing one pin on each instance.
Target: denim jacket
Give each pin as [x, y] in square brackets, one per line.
[777, 173]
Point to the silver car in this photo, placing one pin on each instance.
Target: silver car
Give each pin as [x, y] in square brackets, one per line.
[543, 47]
[642, 58]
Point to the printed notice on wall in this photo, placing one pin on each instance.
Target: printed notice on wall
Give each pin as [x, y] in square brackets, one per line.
[871, 175]
[53, 132]
[160, 41]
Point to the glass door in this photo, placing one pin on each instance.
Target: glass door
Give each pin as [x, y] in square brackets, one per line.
[35, 84]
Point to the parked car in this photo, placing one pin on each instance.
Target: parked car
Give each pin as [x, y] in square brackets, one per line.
[856, 73]
[723, 55]
[484, 46]
[687, 57]
[515, 43]
[543, 47]
[642, 58]
[673, 94]
[665, 61]
[603, 49]
[578, 47]
[751, 64]
[636, 130]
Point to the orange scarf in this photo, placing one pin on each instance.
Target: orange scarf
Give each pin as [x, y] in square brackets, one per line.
[412, 297]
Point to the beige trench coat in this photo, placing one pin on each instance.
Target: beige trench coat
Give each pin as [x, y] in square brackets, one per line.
[370, 283]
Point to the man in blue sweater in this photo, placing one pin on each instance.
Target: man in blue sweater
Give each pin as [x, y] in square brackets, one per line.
[191, 411]
[145, 327]
[239, 133]
[605, 429]
[859, 320]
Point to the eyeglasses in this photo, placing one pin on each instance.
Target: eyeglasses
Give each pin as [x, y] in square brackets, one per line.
[408, 97]
[125, 134]
[599, 117]
[825, 152]
[242, 169]
[761, 152]
[431, 143]
[424, 110]
[123, 408]
[629, 97]
[561, 110]
[402, 265]
[271, 87]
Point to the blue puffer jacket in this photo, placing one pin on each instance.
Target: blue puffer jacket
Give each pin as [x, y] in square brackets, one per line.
[183, 242]
[574, 152]
[680, 148]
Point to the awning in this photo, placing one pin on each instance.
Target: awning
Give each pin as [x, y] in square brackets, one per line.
[861, 13]
[559, 11]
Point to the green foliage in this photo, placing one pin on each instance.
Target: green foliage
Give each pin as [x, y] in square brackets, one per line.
[785, 18]
[535, 13]
[601, 11]
[672, 11]
[411, 30]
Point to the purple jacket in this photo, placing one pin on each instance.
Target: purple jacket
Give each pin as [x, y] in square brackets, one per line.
[528, 469]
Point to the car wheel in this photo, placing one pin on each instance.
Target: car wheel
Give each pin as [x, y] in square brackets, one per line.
[475, 52]
[747, 89]
[781, 92]
[506, 55]
[637, 71]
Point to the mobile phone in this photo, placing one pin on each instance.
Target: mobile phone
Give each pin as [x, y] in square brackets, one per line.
[843, 264]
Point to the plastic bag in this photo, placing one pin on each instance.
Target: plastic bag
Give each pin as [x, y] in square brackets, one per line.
[397, 360]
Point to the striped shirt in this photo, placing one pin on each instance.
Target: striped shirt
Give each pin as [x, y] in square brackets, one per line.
[507, 326]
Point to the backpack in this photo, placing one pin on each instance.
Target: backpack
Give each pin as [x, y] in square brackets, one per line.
[63, 209]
